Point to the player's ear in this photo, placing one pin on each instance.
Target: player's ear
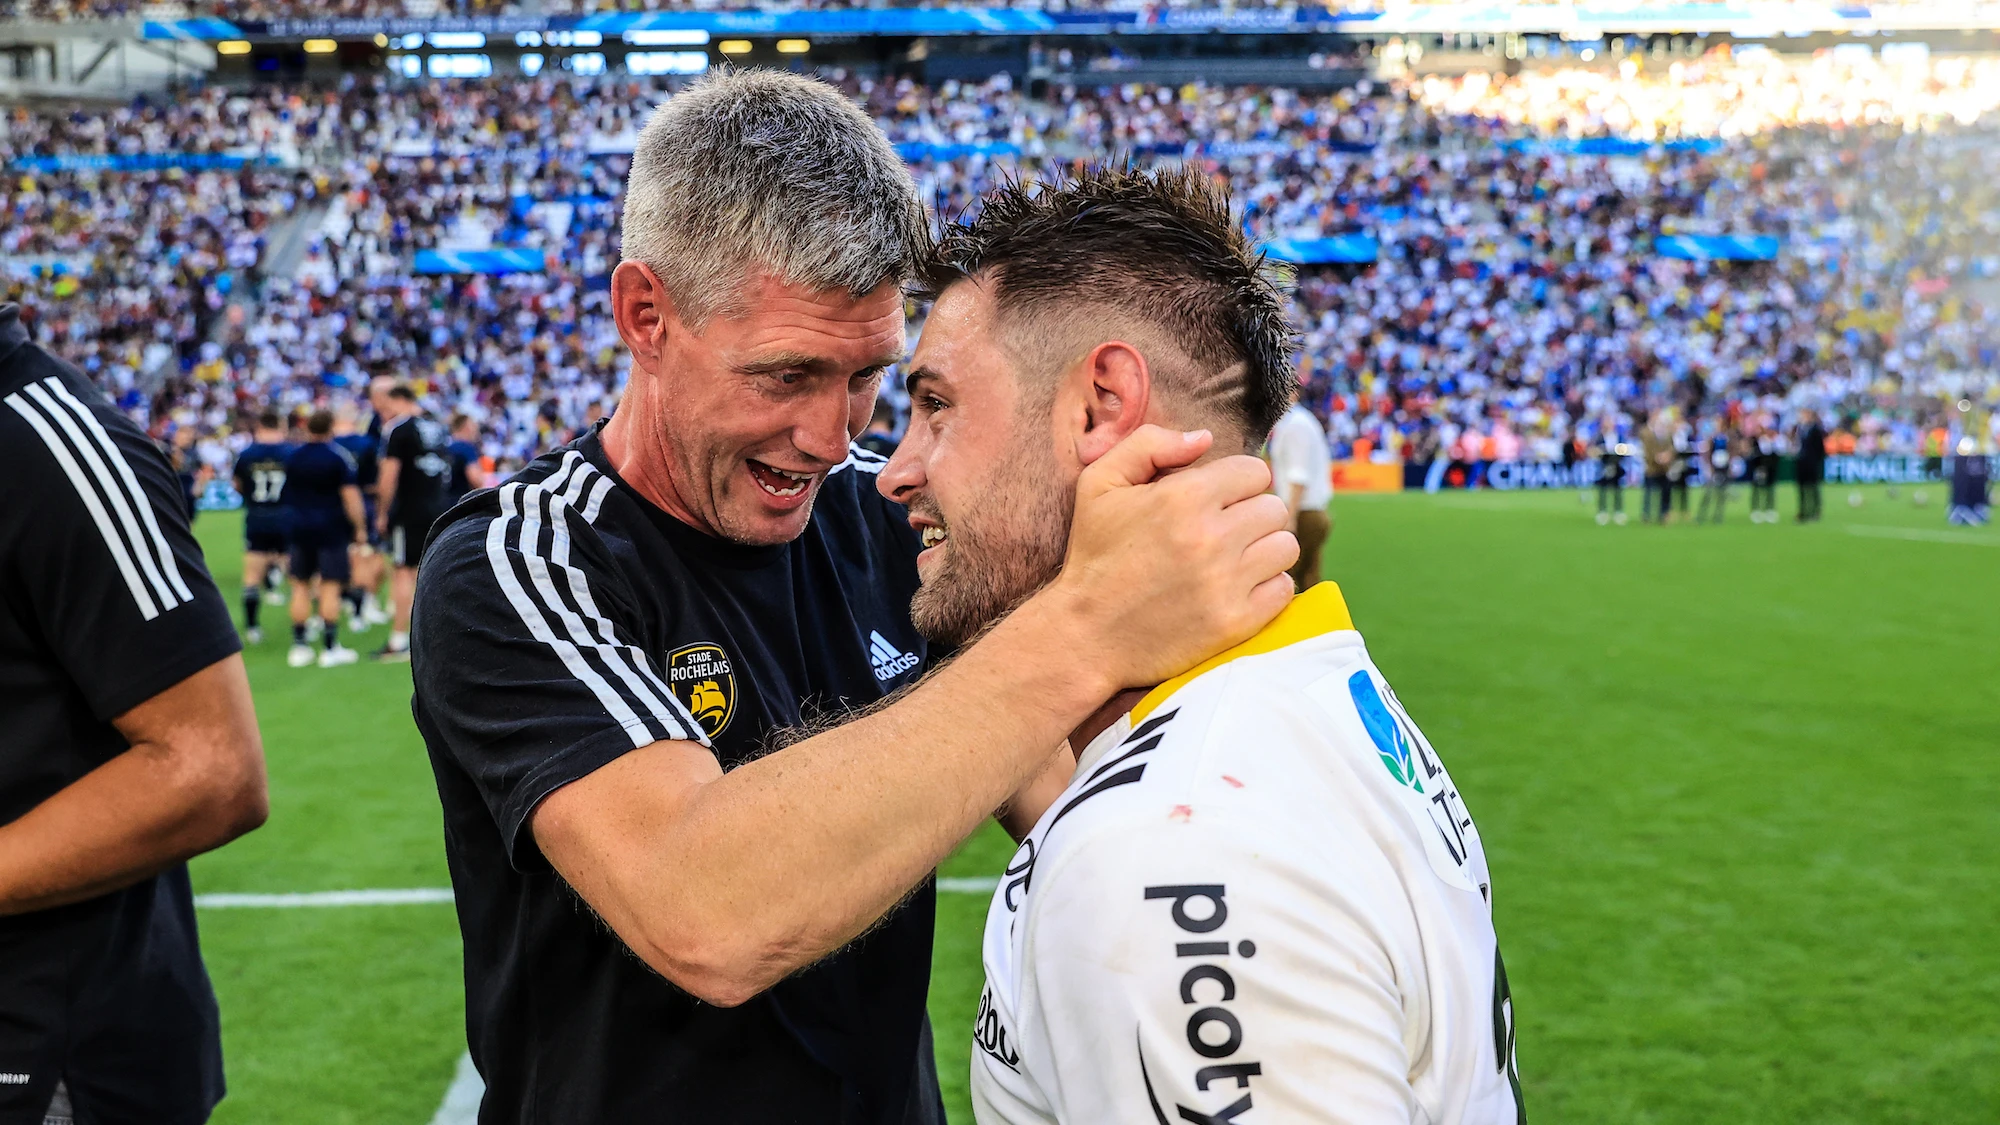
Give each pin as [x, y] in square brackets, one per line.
[642, 310]
[1117, 387]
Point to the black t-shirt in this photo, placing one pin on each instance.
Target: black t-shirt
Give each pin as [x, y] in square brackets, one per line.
[104, 603]
[422, 448]
[561, 622]
[315, 474]
[260, 480]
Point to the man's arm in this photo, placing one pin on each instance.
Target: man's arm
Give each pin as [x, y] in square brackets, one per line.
[193, 780]
[95, 548]
[350, 499]
[387, 470]
[727, 883]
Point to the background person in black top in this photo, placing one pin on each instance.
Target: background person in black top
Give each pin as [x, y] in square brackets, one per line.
[607, 644]
[323, 507]
[259, 475]
[127, 744]
[413, 490]
[1810, 467]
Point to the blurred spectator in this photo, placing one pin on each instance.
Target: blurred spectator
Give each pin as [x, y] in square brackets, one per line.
[1302, 473]
[1809, 465]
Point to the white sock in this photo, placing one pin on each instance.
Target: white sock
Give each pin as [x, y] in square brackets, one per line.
[398, 640]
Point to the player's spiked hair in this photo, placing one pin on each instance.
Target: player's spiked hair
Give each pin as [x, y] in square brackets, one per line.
[1158, 247]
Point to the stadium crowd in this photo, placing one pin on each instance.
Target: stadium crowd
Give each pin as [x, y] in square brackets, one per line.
[1516, 309]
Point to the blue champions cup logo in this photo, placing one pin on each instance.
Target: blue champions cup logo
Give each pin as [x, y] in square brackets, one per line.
[1390, 740]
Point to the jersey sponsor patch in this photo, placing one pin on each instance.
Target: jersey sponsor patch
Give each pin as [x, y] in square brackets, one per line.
[1431, 798]
[1383, 730]
[1207, 991]
[704, 680]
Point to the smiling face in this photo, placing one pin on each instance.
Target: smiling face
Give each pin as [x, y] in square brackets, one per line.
[986, 481]
[733, 427]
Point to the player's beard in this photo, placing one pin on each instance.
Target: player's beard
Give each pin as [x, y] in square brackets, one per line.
[994, 558]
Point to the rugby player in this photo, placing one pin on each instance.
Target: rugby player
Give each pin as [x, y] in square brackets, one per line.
[1260, 897]
[260, 479]
[468, 469]
[323, 505]
[365, 561]
[412, 489]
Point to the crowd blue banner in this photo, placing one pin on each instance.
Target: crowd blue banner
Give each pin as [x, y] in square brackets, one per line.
[1320, 251]
[752, 21]
[924, 150]
[136, 162]
[511, 259]
[1607, 146]
[1717, 247]
[1483, 16]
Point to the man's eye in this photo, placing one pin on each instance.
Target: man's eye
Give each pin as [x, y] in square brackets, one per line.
[788, 378]
[932, 404]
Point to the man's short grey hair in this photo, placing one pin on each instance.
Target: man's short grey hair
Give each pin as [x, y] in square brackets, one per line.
[762, 170]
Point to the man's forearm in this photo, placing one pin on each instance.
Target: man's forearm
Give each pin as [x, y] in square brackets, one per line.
[764, 870]
[385, 489]
[200, 785]
[350, 498]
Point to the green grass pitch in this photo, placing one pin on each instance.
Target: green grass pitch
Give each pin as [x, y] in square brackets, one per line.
[1740, 788]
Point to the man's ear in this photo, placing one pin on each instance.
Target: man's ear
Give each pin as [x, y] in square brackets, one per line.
[1117, 388]
[642, 310]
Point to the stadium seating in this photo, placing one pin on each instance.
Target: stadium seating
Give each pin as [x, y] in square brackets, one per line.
[264, 246]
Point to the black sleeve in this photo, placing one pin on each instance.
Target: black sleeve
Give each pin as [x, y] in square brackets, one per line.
[239, 473]
[94, 540]
[524, 657]
[403, 443]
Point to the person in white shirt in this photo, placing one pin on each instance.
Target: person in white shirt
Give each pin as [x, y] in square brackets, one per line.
[1302, 468]
[1258, 896]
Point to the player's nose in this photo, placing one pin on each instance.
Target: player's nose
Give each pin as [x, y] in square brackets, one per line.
[820, 430]
[903, 477]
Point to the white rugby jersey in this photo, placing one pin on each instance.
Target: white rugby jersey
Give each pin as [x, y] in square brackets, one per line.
[1260, 899]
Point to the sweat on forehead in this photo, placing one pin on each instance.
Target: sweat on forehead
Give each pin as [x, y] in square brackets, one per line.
[1156, 249]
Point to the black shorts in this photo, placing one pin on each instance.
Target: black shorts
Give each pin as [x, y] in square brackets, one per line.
[406, 536]
[321, 553]
[266, 534]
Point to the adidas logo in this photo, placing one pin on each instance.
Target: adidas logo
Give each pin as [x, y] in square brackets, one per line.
[889, 661]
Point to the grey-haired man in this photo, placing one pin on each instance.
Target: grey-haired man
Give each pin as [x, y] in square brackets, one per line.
[662, 920]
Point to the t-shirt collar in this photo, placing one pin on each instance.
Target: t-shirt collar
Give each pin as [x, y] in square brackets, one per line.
[1316, 612]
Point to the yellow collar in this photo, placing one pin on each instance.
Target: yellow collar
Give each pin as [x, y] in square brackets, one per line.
[1318, 611]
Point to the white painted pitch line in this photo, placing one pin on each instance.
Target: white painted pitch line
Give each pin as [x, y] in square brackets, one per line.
[951, 885]
[1967, 538]
[398, 897]
[461, 1098]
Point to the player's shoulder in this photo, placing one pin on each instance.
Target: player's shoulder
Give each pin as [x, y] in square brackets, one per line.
[562, 486]
[71, 430]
